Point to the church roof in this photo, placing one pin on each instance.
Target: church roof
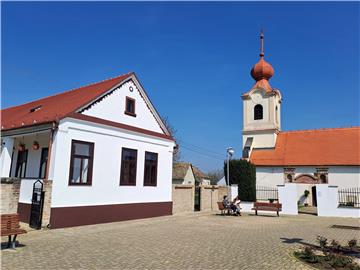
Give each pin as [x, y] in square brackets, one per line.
[320, 147]
[55, 107]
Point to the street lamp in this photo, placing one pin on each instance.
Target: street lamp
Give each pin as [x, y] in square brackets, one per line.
[230, 152]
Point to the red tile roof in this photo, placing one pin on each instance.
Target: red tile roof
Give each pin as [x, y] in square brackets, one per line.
[56, 107]
[322, 147]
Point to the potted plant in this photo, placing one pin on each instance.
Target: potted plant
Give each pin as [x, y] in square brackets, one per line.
[306, 195]
[35, 145]
[21, 147]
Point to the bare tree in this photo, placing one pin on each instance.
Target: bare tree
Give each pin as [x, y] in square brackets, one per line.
[215, 175]
[173, 131]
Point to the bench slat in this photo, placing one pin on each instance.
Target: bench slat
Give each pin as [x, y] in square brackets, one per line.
[12, 232]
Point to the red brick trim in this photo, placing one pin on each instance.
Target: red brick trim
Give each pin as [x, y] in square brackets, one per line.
[119, 125]
[62, 217]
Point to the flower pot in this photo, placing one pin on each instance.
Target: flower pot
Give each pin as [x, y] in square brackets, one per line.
[21, 147]
[35, 145]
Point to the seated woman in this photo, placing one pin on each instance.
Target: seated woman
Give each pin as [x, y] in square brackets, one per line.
[236, 205]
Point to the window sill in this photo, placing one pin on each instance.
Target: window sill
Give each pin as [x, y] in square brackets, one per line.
[130, 114]
[150, 185]
[79, 184]
[127, 185]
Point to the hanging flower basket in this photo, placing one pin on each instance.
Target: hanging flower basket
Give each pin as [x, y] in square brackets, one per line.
[21, 147]
[35, 145]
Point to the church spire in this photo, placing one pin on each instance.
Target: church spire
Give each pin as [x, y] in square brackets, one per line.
[261, 43]
[262, 71]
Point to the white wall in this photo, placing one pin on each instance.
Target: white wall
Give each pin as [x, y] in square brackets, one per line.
[7, 145]
[327, 199]
[342, 176]
[112, 108]
[287, 198]
[26, 190]
[269, 176]
[105, 188]
[262, 130]
[189, 178]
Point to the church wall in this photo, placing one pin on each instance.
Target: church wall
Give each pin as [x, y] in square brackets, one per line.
[269, 176]
[344, 177]
[341, 176]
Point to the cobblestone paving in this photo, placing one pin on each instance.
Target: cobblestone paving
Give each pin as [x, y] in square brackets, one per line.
[194, 241]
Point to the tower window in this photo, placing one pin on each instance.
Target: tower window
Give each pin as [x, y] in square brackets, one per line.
[276, 115]
[258, 112]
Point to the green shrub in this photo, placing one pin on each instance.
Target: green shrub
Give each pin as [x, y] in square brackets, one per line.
[243, 173]
[335, 245]
[337, 260]
[322, 241]
[352, 244]
[308, 255]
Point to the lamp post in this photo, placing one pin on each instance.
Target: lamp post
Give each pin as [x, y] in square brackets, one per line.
[230, 152]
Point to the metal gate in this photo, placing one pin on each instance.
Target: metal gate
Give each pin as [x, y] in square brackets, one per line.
[197, 198]
[37, 204]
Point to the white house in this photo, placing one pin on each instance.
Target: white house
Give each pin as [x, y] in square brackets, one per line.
[104, 146]
[183, 174]
[305, 157]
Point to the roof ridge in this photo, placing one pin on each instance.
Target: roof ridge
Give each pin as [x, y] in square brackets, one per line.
[70, 90]
[318, 129]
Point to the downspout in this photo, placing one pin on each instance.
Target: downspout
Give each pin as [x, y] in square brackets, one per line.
[52, 132]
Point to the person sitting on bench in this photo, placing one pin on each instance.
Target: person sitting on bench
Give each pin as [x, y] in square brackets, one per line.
[236, 205]
[226, 203]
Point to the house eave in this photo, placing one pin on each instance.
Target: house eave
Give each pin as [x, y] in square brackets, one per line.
[36, 128]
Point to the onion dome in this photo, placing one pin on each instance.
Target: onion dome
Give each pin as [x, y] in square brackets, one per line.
[262, 71]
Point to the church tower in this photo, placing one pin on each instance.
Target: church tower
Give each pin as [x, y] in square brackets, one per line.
[261, 108]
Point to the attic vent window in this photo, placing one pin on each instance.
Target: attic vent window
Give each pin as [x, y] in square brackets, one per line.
[35, 109]
[130, 106]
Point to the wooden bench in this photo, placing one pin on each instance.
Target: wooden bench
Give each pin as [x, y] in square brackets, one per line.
[264, 206]
[223, 209]
[10, 226]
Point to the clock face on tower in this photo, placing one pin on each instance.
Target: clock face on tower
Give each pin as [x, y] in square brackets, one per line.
[256, 97]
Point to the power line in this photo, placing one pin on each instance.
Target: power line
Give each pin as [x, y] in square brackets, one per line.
[202, 153]
[202, 148]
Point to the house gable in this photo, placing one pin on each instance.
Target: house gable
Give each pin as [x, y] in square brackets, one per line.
[111, 106]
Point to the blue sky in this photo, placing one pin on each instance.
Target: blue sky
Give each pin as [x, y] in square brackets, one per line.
[194, 60]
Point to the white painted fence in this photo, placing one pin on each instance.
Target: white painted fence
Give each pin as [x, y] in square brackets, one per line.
[288, 198]
[328, 204]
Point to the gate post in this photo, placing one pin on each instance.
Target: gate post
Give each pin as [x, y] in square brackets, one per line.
[288, 198]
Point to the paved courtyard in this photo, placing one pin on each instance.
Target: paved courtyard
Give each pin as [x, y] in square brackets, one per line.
[193, 241]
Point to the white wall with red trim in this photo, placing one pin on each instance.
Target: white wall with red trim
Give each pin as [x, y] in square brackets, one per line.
[112, 108]
[105, 188]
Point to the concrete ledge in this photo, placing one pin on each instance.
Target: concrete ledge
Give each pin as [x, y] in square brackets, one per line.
[10, 180]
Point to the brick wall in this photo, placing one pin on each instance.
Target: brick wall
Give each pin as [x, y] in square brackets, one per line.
[183, 198]
[209, 198]
[47, 202]
[222, 191]
[10, 191]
